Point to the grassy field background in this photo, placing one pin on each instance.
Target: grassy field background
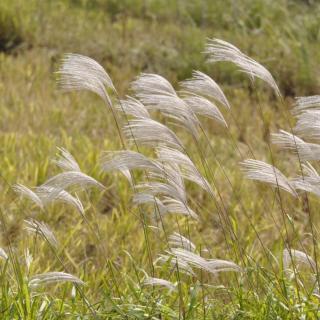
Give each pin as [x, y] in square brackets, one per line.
[165, 37]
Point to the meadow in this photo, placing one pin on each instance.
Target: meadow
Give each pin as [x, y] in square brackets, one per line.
[172, 229]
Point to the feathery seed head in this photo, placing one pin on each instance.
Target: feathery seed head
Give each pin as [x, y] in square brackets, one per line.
[34, 226]
[201, 84]
[133, 107]
[205, 107]
[264, 172]
[306, 151]
[151, 133]
[79, 72]
[28, 193]
[149, 281]
[66, 161]
[219, 50]
[53, 277]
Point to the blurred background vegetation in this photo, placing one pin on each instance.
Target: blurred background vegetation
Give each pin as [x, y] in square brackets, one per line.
[167, 36]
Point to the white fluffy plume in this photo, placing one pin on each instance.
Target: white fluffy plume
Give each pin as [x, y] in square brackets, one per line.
[306, 103]
[178, 207]
[51, 194]
[3, 254]
[203, 85]
[146, 198]
[79, 72]
[156, 188]
[205, 107]
[134, 108]
[156, 93]
[179, 241]
[219, 50]
[149, 83]
[127, 159]
[307, 151]
[34, 226]
[209, 265]
[298, 257]
[44, 195]
[187, 167]
[151, 133]
[28, 193]
[66, 161]
[171, 177]
[165, 204]
[308, 124]
[175, 263]
[149, 281]
[309, 182]
[53, 277]
[70, 179]
[264, 172]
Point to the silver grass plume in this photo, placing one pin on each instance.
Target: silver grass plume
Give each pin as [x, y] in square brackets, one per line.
[79, 72]
[165, 205]
[155, 188]
[209, 265]
[70, 179]
[176, 263]
[308, 124]
[146, 198]
[53, 277]
[219, 50]
[28, 258]
[296, 258]
[306, 103]
[127, 174]
[133, 107]
[218, 265]
[169, 184]
[299, 257]
[306, 151]
[170, 173]
[28, 193]
[178, 207]
[44, 195]
[205, 107]
[51, 194]
[266, 173]
[156, 93]
[187, 167]
[127, 160]
[203, 85]
[149, 83]
[66, 161]
[3, 254]
[149, 281]
[311, 172]
[151, 133]
[37, 227]
[309, 182]
[179, 241]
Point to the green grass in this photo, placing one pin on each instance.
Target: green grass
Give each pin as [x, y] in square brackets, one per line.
[165, 37]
